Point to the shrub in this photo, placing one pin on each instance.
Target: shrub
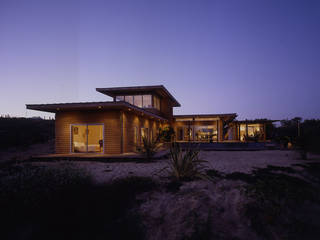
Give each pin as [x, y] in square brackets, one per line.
[166, 134]
[22, 132]
[148, 147]
[186, 165]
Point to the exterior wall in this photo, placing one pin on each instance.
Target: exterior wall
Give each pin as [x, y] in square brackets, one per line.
[166, 109]
[110, 119]
[116, 124]
[132, 121]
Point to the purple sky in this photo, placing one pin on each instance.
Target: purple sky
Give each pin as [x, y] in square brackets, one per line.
[260, 59]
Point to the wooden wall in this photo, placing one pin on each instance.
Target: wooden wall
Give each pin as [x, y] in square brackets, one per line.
[166, 108]
[131, 121]
[116, 123]
[110, 119]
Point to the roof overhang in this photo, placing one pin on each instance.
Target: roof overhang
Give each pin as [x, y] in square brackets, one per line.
[92, 106]
[257, 121]
[158, 89]
[205, 117]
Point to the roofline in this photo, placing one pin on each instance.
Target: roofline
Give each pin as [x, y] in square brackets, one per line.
[257, 121]
[205, 115]
[84, 106]
[149, 87]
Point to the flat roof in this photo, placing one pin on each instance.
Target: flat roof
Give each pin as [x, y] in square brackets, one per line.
[159, 89]
[89, 106]
[257, 121]
[206, 115]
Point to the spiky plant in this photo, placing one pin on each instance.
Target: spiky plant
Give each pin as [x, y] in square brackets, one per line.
[149, 147]
[184, 165]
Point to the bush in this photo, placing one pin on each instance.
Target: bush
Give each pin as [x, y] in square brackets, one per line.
[22, 132]
[166, 134]
[186, 165]
[148, 147]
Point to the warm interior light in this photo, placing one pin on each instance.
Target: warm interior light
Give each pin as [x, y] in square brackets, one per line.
[58, 109]
[99, 107]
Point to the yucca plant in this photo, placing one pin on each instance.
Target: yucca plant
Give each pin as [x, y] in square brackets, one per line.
[186, 165]
[148, 147]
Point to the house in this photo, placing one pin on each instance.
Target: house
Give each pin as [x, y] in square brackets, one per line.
[118, 126]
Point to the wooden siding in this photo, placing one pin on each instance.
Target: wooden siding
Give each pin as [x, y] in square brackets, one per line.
[132, 121]
[110, 119]
[166, 108]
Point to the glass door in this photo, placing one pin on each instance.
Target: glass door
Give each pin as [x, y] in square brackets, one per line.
[87, 138]
[95, 138]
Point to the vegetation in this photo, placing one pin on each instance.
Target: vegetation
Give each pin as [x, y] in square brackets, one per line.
[148, 147]
[166, 134]
[278, 199]
[304, 135]
[186, 165]
[281, 206]
[22, 132]
[41, 203]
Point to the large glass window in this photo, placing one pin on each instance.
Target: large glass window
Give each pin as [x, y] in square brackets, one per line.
[144, 101]
[184, 133]
[188, 133]
[206, 133]
[87, 138]
[254, 130]
[156, 102]
[242, 132]
[180, 134]
[147, 101]
[129, 99]
[137, 100]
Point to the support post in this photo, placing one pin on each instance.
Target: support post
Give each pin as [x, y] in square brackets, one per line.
[246, 128]
[121, 131]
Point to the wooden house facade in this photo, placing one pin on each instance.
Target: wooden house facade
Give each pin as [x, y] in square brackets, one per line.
[118, 126]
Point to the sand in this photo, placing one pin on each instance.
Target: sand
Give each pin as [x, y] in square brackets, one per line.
[223, 161]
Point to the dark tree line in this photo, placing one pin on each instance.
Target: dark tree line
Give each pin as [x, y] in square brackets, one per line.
[22, 132]
[303, 135]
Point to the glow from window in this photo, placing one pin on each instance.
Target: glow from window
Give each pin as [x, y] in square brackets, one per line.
[147, 101]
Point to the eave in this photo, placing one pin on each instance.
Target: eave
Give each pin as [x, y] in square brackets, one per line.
[158, 89]
[92, 106]
[224, 116]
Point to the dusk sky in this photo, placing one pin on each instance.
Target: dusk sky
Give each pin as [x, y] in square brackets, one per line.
[260, 59]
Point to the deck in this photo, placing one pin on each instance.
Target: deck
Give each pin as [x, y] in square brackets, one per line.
[124, 157]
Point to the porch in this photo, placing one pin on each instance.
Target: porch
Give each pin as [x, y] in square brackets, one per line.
[124, 157]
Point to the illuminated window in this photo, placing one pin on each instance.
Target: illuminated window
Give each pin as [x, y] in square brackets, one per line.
[129, 99]
[137, 100]
[87, 138]
[147, 101]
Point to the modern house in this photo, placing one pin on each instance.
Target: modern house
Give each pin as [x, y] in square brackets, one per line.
[118, 126]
